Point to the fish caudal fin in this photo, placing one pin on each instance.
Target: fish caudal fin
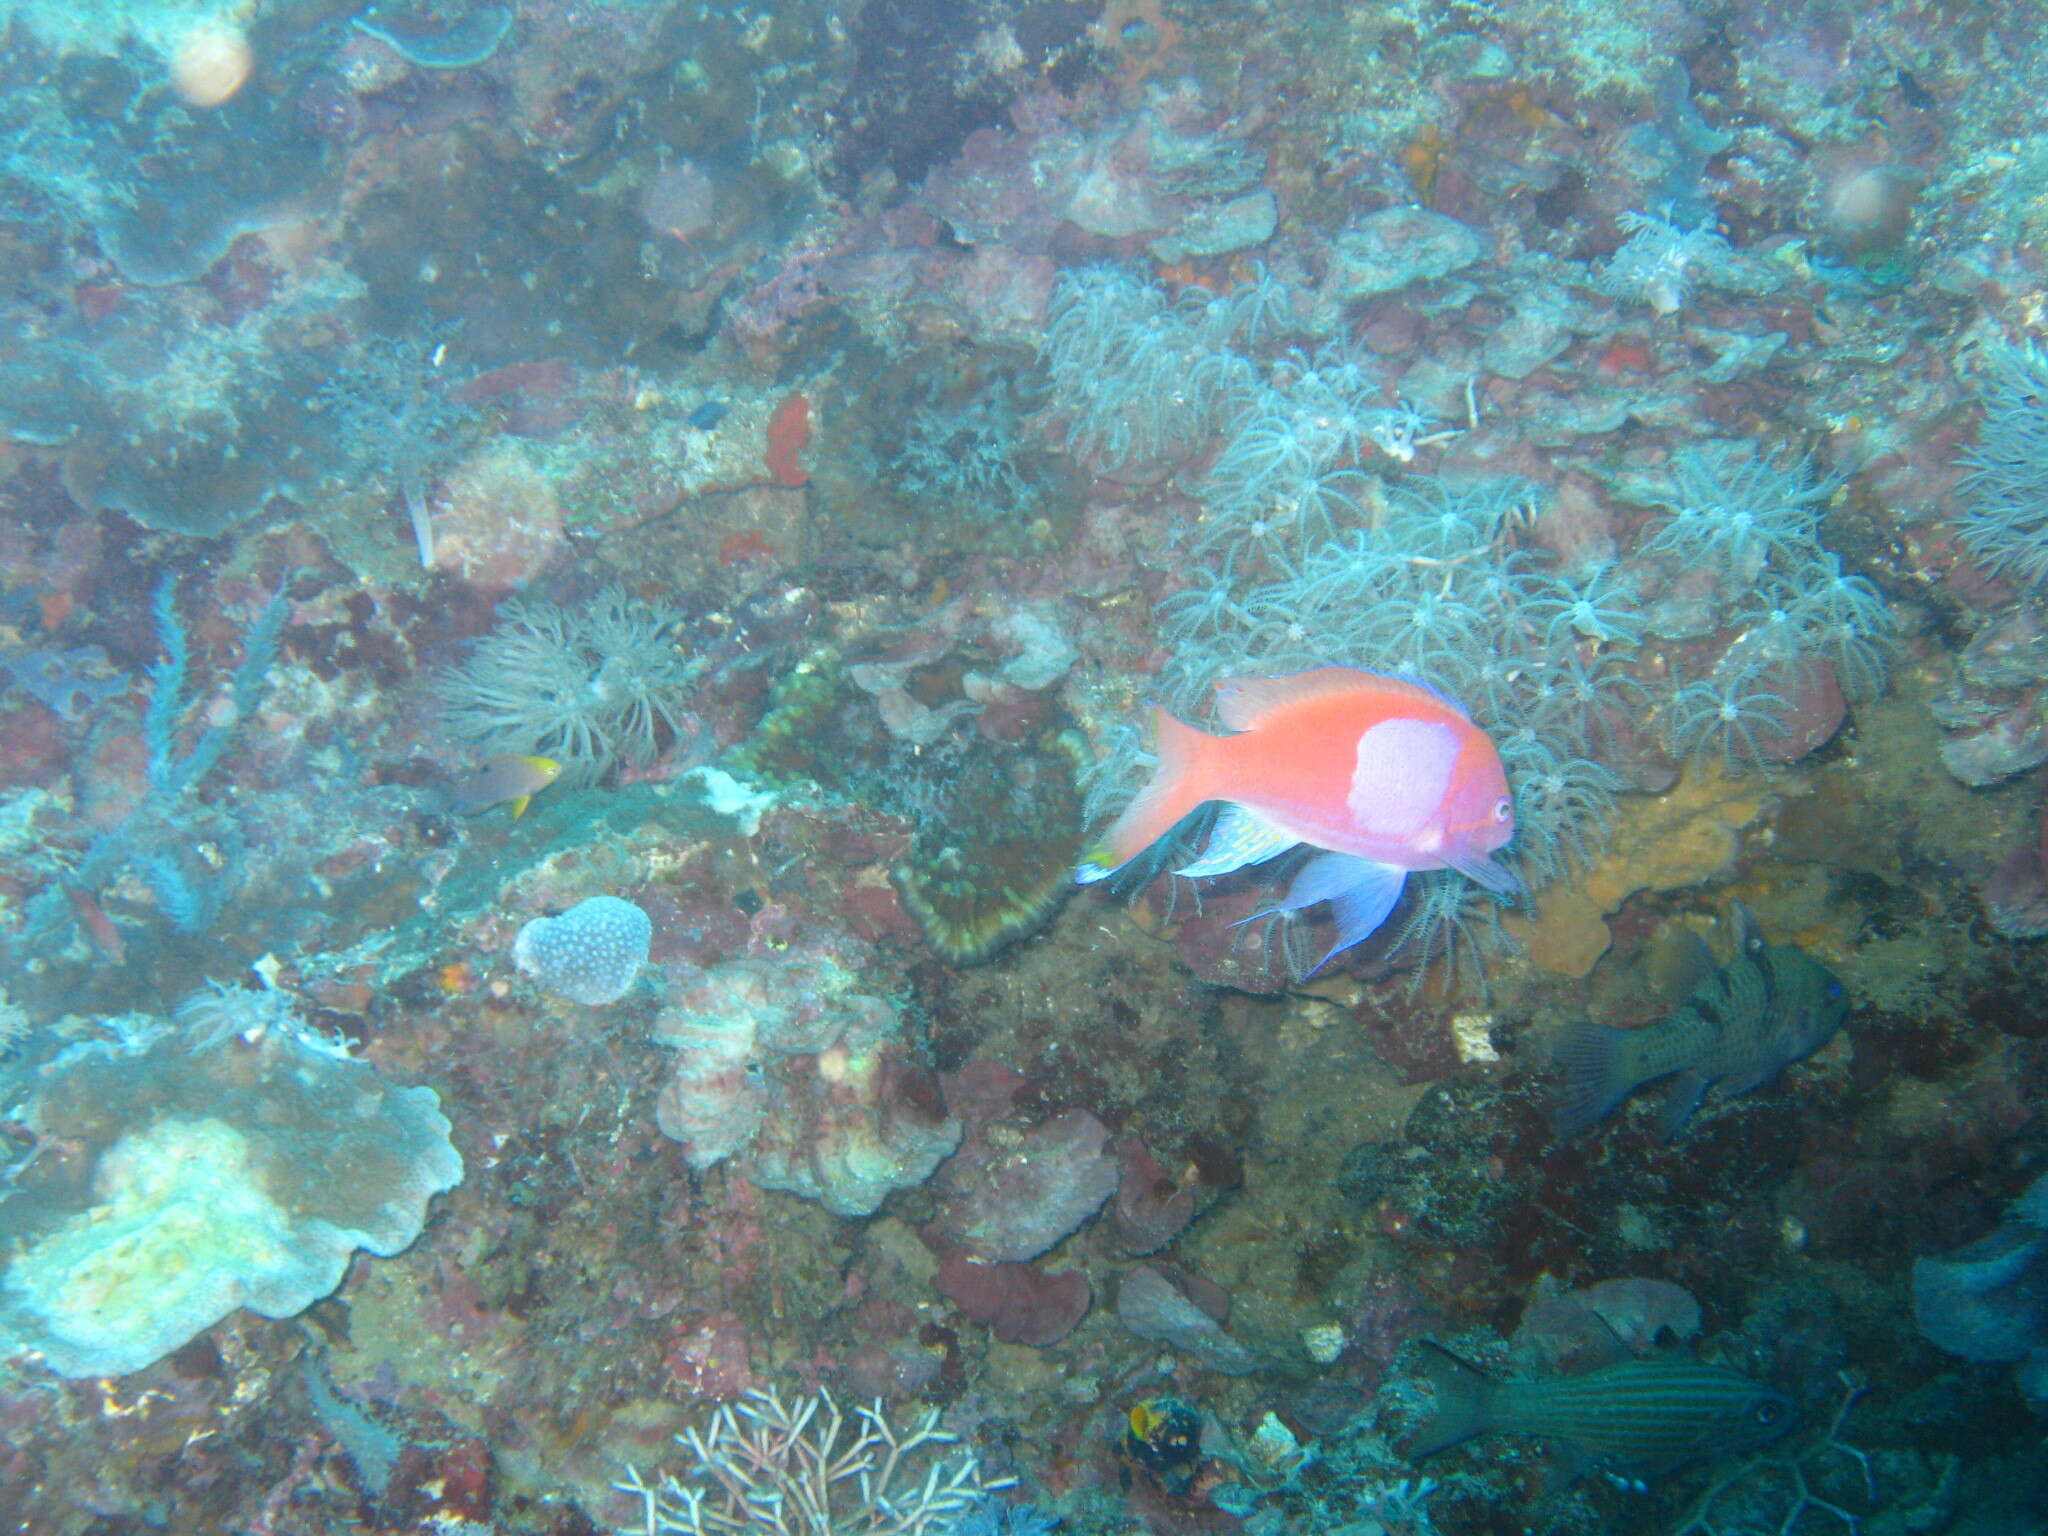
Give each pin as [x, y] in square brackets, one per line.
[1176, 787]
[1464, 1395]
[1595, 1077]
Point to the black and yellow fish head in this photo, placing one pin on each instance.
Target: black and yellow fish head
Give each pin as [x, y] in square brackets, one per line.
[1163, 1436]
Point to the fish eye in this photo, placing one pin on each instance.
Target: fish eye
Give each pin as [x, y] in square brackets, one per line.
[1503, 809]
[1767, 1413]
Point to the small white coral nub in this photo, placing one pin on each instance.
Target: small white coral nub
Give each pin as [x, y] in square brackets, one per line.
[590, 954]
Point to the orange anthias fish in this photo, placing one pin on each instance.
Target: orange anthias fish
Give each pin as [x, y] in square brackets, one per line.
[498, 779]
[1382, 775]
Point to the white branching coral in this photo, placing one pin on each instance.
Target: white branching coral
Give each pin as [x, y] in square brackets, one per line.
[1660, 263]
[804, 1468]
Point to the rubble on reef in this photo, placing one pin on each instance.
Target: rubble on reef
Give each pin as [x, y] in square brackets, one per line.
[579, 581]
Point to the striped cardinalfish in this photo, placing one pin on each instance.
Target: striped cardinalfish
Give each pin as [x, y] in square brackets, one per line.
[1635, 1418]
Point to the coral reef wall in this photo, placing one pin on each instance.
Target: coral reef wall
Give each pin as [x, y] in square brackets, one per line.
[577, 582]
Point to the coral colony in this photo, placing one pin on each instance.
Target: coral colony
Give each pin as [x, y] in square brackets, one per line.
[1001, 768]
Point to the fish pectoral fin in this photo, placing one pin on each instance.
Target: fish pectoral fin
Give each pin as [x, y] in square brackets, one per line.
[1240, 837]
[1683, 962]
[519, 805]
[1483, 869]
[1097, 863]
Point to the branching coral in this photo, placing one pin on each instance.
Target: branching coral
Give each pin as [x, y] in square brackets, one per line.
[1660, 263]
[803, 1468]
[1139, 375]
[588, 688]
[2005, 526]
[1734, 510]
[1733, 713]
[157, 839]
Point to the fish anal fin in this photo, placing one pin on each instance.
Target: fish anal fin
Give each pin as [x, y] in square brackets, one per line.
[1360, 909]
[1361, 892]
[1736, 1084]
[1240, 837]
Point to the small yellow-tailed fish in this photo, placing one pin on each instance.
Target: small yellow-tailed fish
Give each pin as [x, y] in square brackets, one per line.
[501, 778]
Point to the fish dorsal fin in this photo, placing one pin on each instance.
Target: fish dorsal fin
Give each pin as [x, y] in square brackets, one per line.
[1749, 938]
[1403, 769]
[1613, 1347]
[1243, 702]
[1677, 963]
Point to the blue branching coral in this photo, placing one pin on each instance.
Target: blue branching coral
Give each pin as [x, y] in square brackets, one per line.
[170, 773]
[162, 838]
